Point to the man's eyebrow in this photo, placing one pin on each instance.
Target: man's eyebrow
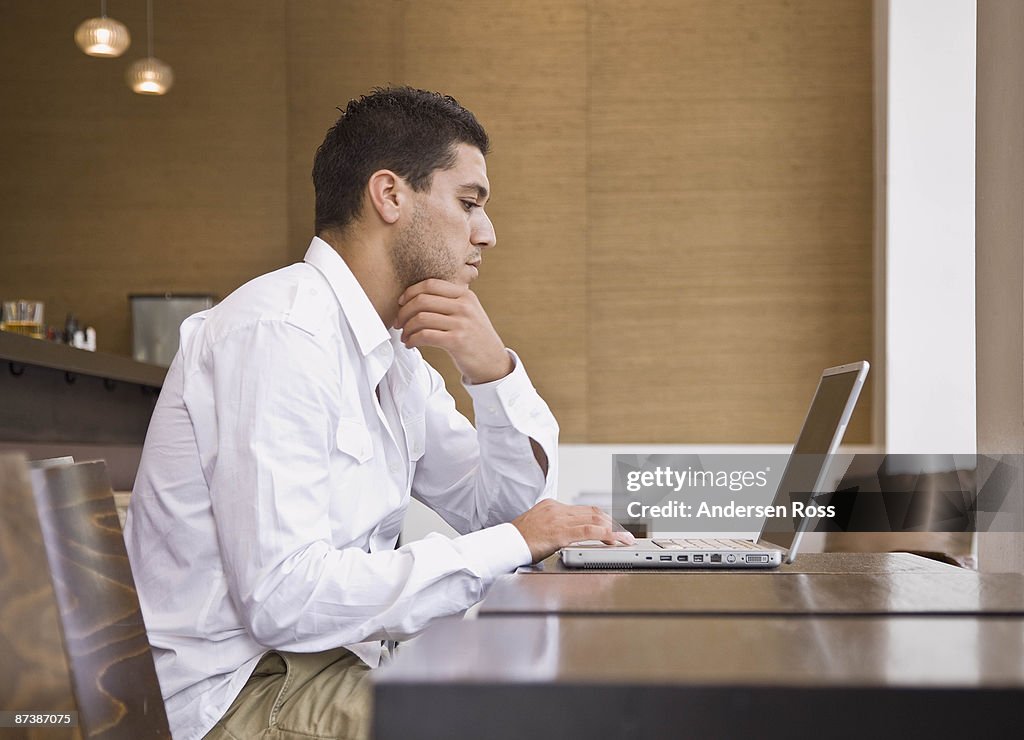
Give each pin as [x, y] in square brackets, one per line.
[481, 191]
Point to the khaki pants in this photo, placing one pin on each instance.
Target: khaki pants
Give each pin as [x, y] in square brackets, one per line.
[301, 695]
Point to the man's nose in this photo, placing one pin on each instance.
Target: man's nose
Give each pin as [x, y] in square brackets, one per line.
[483, 232]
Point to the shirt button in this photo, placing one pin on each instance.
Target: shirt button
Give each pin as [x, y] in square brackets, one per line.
[492, 409]
[393, 468]
[512, 399]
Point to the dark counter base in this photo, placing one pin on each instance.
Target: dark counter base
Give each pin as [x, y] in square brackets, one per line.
[513, 712]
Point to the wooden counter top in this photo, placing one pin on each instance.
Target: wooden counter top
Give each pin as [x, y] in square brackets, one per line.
[27, 351]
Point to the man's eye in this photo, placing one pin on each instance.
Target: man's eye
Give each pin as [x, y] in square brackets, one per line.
[469, 205]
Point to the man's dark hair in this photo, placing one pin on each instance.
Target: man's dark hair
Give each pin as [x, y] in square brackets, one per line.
[411, 132]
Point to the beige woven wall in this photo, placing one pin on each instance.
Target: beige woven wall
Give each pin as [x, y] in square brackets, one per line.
[730, 191]
[682, 189]
[105, 193]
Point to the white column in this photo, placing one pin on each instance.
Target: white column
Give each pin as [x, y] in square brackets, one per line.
[929, 227]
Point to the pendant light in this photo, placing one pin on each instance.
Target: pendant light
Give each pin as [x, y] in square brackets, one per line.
[103, 37]
[150, 76]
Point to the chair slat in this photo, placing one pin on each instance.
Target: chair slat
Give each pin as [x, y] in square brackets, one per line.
[112, 670]
[35, 674]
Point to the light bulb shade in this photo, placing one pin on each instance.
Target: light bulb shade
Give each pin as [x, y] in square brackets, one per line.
[150, 76]
[103, 37]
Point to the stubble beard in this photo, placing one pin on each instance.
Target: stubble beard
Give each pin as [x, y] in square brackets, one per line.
[419, 253]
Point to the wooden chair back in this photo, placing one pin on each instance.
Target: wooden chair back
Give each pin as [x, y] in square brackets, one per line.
[112, 672]
[34, 673]
[51, 462]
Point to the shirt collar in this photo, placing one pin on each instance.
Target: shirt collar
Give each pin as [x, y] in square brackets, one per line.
[369, 330]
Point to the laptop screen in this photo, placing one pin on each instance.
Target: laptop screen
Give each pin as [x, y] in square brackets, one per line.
[821, 434]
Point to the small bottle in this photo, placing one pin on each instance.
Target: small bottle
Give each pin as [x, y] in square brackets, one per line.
[70, 327]
[90, 339]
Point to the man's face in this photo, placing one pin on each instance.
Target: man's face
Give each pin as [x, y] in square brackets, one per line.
[448, 229]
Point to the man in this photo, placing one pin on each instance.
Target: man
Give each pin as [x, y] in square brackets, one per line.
[294, 425]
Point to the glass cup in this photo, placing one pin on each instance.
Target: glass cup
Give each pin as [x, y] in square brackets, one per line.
[23, 317]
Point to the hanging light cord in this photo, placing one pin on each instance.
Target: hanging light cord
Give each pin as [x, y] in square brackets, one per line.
[103, 8]
[149, 24]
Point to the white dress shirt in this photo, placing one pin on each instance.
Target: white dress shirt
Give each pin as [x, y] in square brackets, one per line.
[274, 482]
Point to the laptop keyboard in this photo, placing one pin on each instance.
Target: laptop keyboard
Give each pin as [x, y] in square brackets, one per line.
[695, 543]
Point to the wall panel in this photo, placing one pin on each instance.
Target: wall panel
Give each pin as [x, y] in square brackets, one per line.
[730, 189]
[106, 192]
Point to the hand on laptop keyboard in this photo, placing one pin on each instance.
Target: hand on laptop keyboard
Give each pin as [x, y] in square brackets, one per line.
[551, 525]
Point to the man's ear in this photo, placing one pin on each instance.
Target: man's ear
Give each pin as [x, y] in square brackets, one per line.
[386, 194]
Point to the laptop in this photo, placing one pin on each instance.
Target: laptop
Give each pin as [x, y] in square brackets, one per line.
[779, 538]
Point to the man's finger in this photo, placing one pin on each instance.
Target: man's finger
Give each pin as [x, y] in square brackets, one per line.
[424, 302]
[587, 515]
[426, 320]
[435, 286]
[619, 538]
[428, 338]
[589, 532]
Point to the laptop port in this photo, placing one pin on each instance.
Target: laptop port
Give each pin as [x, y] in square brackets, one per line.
[682, 558]
[757, 558]
[716, 558]
[666, 557]
[698, 558]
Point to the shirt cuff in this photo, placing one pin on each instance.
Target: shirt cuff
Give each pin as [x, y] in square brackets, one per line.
[494, 551]
[502, 402]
